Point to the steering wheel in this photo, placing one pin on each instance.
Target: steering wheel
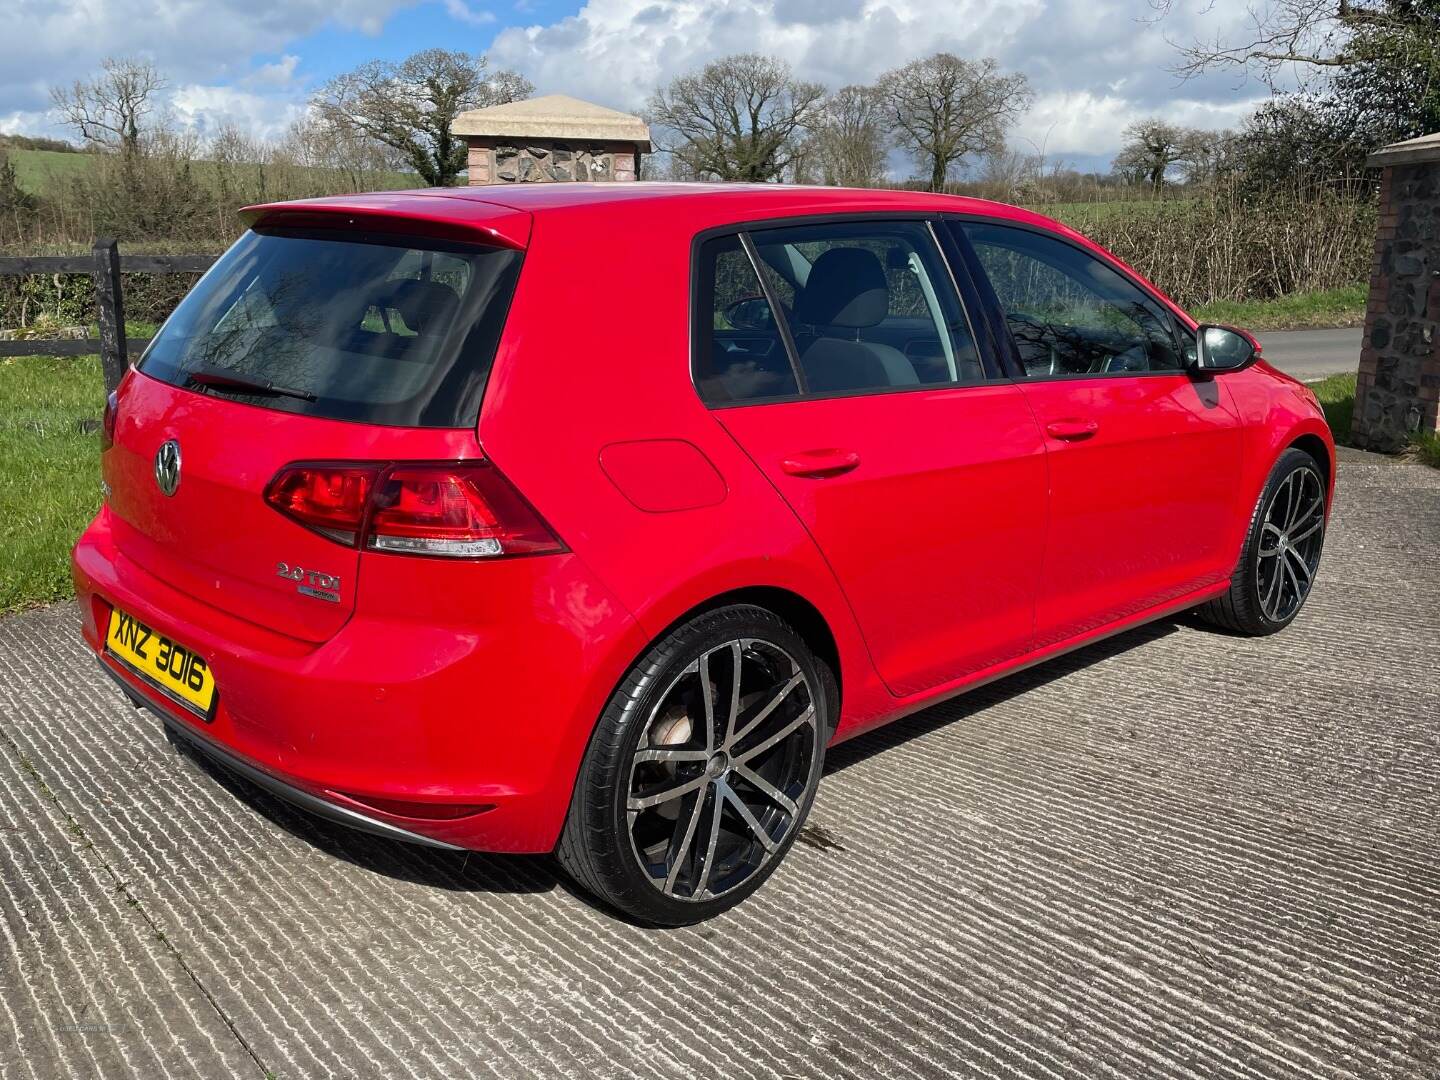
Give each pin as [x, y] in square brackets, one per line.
[1038, 336]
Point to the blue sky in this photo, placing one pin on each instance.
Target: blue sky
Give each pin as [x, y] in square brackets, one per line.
[1095, 65]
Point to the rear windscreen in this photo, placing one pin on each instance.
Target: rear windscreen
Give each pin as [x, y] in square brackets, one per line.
[344, 326]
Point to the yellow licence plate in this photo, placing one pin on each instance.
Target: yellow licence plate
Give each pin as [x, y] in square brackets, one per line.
[175, 671]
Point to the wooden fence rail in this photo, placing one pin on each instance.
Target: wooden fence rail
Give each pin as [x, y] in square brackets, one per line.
[104, 264]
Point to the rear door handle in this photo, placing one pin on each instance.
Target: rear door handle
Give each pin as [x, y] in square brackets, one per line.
[820, 464]
[1070, 430]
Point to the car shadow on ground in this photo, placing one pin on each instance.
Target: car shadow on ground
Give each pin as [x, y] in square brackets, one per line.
[974, 701]
[456, 871]
[480, 872]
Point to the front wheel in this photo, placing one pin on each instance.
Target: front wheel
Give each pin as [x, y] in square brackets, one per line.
[1282, 551]
[701, 769]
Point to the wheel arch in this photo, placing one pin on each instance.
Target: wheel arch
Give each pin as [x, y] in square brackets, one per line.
[807, 620]
[1315, 446]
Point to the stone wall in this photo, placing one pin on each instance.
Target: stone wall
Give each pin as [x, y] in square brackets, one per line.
[1399, 381]
[539, 162]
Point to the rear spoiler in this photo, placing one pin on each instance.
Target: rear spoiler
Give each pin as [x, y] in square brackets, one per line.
[411, 213]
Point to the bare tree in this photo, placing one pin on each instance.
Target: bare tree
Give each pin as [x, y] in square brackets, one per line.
[1154, 147]
[739, 118]
[851, 138]
[411, 106]
[107, 111]
[1150, 148]
[1315, 35]
[943, 108]
[315, 143]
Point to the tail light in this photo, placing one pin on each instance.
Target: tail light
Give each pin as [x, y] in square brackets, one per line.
[452, 509]
[331, 499]
[107, 421]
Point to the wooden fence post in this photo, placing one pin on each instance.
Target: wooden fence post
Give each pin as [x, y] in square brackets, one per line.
[110, 302]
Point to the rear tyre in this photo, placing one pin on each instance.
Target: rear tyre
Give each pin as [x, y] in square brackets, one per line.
[701, 769]
[1281, 554]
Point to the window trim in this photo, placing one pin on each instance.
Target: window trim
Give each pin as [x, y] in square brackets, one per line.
[990, 364]
[782, 324]
[1175, 315]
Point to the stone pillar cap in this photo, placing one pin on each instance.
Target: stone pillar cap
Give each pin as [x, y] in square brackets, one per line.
[554, 116]
[1409, 152]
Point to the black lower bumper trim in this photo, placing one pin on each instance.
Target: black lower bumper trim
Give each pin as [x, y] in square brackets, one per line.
[311, 804]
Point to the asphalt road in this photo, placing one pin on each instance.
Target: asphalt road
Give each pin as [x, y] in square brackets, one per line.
[1176, 854]
[1313, 354]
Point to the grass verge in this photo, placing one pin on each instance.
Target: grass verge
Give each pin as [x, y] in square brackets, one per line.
[1337, 398]
[50, 486]
[1298, 311]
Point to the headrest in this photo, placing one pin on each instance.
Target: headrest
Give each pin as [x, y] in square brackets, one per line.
[426, 306]
[846, 287]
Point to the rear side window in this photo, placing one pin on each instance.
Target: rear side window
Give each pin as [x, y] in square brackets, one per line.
[843, 308]
[742, 356]
[343, 326]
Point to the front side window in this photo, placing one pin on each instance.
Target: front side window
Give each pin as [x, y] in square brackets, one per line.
[1069, 313]
[379, 329]
[868, 306]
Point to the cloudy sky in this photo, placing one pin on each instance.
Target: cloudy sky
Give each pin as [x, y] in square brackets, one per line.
[1095, 64]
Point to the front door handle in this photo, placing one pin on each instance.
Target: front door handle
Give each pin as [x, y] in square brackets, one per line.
[1070, 430]
[820, 464]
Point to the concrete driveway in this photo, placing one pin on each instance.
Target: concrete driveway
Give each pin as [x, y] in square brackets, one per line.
[1313, 354]
[1175, 854]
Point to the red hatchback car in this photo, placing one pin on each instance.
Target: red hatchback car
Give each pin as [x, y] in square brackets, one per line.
[584, 518]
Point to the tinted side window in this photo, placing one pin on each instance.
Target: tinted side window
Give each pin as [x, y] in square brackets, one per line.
[740, 353]
[870, 306]
[1070, 313]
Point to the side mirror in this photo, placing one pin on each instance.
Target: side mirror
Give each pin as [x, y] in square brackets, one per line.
[1221, 348]
[751, 313]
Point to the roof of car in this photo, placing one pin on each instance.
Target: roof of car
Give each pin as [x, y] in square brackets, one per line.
[503, 212]
[780, 197]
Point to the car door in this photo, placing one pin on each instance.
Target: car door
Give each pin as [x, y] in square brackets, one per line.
[920, 477]
[1143, 457]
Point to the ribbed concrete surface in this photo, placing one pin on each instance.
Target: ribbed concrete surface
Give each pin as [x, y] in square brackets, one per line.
[1176, 855]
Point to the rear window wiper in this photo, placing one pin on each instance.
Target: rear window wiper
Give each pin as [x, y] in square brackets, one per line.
[228, 380]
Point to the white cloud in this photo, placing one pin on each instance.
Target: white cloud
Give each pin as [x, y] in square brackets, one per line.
[1080, 122]
[1095, 64]
[280, 74]
[21, 122]
[191, 41]
[463, 12]
[207, 109]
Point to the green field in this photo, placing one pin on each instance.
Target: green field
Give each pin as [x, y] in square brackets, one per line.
[50, 486]
[39, 171]
[43, 172]
[1080, 214]
[1299, 311]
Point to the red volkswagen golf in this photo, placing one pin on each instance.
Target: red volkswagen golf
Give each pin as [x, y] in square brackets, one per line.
[584, 518]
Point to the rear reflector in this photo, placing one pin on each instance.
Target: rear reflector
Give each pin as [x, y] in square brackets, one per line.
[419, 811]
[453, 509]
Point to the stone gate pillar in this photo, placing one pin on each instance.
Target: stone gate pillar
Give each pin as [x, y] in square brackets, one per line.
[1398, 387]
[552, 138]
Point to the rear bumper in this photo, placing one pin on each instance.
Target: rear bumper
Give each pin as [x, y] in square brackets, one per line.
[474, 686]
[274, 785]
